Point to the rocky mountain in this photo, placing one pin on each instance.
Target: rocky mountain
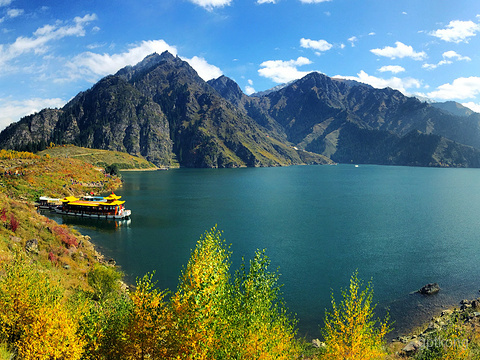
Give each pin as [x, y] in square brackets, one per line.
[162, 110]
[353, 122]
[112, 115]
[454, 108]
[159, 109]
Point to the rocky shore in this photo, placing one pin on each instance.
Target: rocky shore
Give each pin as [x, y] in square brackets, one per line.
[466, 316]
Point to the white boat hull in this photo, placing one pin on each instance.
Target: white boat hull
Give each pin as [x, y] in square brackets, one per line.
[122, 215]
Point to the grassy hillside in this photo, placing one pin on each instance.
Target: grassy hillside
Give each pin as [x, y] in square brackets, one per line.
[99, 158]
[29, 177]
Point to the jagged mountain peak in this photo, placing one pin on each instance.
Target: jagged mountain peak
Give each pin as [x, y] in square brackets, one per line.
[147, 64]
[227, 88]
[160, 108]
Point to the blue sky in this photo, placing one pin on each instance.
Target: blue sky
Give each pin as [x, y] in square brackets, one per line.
[51, 50]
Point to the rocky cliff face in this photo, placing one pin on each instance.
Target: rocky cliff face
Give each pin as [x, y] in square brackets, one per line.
[206, 129]
[161, 109]
[353, 122]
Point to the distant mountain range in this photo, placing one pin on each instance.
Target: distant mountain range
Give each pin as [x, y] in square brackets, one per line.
[162, 110]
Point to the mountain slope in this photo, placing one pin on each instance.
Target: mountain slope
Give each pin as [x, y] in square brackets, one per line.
[353, 122]
[112, 115]
[162, 110]
[159, 109]
[207, 130]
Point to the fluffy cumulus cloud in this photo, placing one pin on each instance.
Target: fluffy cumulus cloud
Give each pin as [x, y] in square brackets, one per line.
[283, 71]
[249, 90]
[453, 55]
[12, 110]
[448, 58]
[92, 65]
[400, 84]
[205, 70]
[211, 4]
[399, 51]
[457, 31]
[319, 45]
[42, 37]
[472, 106]
[461, 88]
[392, 68]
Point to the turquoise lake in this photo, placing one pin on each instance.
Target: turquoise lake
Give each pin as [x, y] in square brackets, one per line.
[401, 227]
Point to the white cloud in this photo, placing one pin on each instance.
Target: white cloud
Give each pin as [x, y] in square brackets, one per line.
[457, 31]
[14, 110]
[392, 68]
[353, 40]
[38, 43]
[395, 83]
[249, 90]
[283, 71]
[371, 34]
[266, 2]
[5, 2]
[92, 66]
[320, 45]
[95, 65]
[461, 88]
[399, 51]
[211, 4]
[446, 56]
[472, 106]
[453, 55]
[205, 70]
[13, 13]
[313, 1]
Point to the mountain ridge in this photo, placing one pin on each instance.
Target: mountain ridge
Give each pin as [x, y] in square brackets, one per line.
[162, 110]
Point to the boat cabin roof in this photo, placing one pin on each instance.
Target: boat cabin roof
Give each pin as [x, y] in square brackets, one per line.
[112, 199]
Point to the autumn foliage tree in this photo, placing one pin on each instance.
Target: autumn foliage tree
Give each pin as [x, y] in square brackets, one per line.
[218, 318]
[149, 326]
[350, 331]
[201, 299]
[262, 328]
[34, 318]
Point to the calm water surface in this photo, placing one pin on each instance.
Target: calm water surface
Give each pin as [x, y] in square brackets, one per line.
[402, 227]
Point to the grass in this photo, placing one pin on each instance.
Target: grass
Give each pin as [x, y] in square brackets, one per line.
[99, 158]
[28, 179]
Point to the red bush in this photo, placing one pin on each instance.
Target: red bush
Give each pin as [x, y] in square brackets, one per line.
[52, 257]
[66, 237]
[13, 223]
[3, 215]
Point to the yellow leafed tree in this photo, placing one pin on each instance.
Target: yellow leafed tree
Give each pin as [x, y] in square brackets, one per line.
[148, 329]
[34, 318]
[263, 328]
[200, 301]
[351, 332]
